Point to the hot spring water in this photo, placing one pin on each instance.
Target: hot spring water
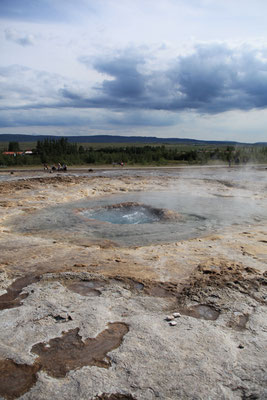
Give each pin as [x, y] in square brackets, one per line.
[125, 214]
[142, 218]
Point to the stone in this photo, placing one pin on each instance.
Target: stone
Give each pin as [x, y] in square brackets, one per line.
[169, 318]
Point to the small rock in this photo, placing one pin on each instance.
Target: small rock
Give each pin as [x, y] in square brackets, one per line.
[241, 346]
[176, 315]
[169, 318]
[79, 265]
[173, 323]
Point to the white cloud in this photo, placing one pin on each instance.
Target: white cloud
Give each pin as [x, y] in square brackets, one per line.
[40, 69]
[20, 38]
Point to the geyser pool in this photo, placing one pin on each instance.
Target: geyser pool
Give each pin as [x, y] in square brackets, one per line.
[129, 213]
[161, 217]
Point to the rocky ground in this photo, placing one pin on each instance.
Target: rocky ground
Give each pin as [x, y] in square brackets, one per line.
[87, 319]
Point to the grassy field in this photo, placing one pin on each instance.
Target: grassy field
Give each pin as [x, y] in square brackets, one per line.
[182, 147]
[132, 155]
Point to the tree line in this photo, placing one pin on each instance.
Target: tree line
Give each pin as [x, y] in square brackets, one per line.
[53, 151]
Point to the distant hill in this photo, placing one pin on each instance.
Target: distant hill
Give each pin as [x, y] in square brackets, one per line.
[117, 139]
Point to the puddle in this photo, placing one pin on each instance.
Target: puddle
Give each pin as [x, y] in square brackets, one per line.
[138, 286]
[201, 311]
[59, 356]
[145, 288]
[16, 379]
[59, 318]
[148, 288]
[13, 298]
[158, 290]
[69, 352]
[85, 288]
[242, 321]
[114, 396]
[239, 322]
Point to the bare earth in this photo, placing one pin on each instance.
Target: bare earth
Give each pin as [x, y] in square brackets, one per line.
[86, 319]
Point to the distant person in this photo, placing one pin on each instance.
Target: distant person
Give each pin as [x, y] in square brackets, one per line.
[59, 167]
[64, 167]
[45, 167]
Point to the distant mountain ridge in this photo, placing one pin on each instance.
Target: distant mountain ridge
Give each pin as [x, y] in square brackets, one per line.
[118, 139]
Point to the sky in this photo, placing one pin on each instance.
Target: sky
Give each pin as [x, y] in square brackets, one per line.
[167, 68]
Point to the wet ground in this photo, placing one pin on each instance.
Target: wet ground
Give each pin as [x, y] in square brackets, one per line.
[200, 211]
[69, 352]
[92, 264]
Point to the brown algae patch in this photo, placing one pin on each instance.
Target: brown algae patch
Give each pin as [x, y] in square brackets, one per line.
[16, 379]
[13, 297]
[69, 352]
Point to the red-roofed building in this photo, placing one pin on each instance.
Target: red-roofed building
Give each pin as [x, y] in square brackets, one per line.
[12, 153]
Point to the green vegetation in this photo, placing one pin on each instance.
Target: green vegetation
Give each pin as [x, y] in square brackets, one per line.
[13, 146]
[53, 151]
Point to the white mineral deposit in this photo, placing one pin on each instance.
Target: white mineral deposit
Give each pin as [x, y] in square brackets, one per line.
[82, 298]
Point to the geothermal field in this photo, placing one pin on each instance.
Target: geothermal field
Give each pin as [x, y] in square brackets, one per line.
[134, 284]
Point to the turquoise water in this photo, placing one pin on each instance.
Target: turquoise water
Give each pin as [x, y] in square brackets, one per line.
[123, 215]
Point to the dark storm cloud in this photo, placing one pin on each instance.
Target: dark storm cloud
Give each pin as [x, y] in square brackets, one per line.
[216, 79]
[213, 79]
[127, 82]
[125, 87]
